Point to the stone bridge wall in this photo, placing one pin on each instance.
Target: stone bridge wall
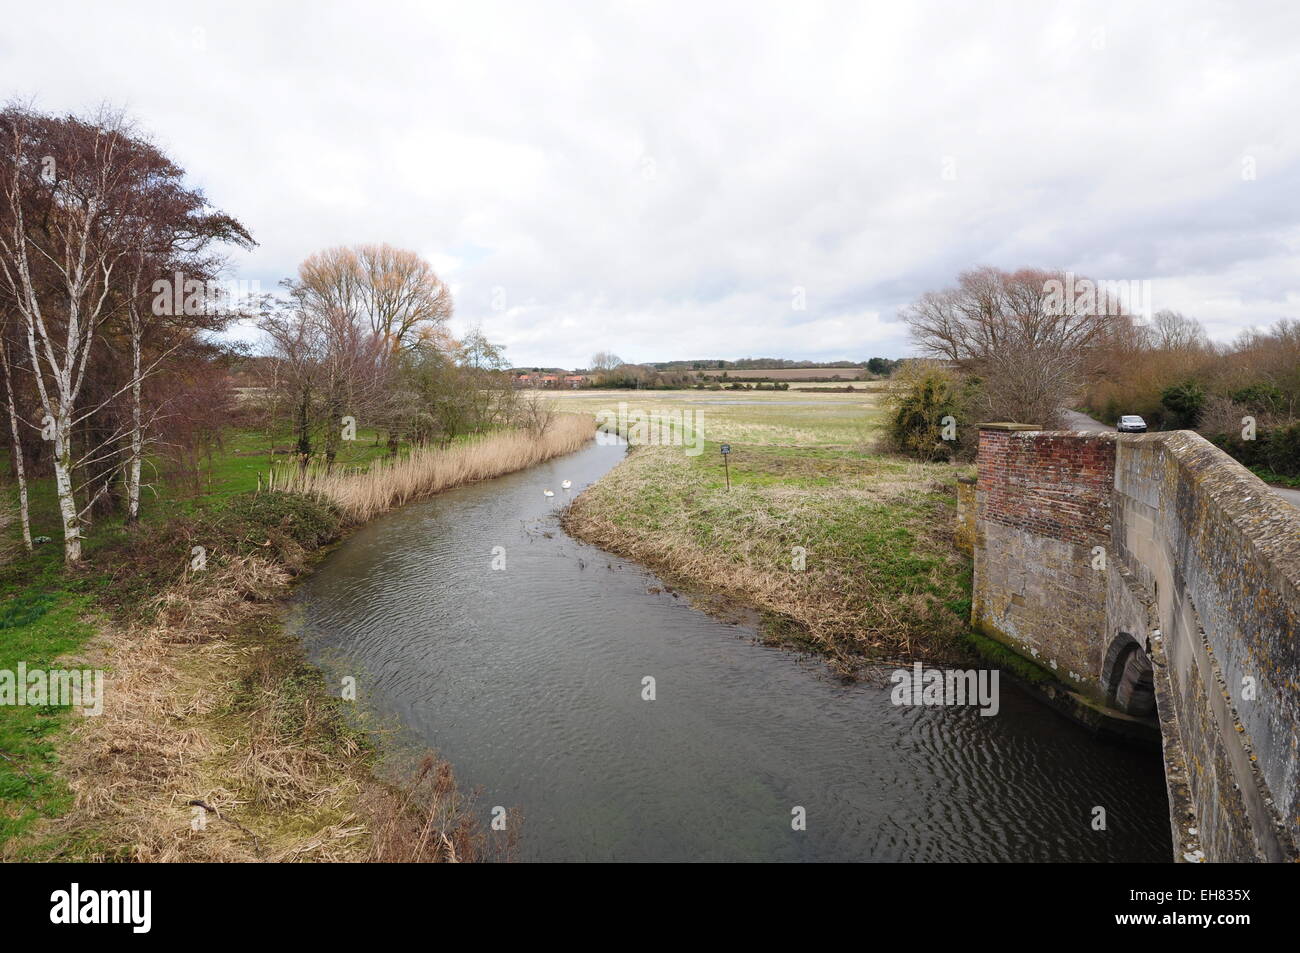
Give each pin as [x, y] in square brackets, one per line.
[1200, 581]
[1218, 555]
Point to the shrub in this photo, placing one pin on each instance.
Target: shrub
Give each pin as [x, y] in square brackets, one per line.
[923, 394]
[1183, 401]
[1221, 415]
[1261, 398]
[282, 527]
[1277, 450]
[252, 519]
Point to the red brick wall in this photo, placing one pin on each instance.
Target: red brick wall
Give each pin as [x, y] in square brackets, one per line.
[1053, 484]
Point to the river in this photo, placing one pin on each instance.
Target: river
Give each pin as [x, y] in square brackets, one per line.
[528, 679]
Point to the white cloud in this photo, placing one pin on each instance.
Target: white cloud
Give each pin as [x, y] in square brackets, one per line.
[655, 178]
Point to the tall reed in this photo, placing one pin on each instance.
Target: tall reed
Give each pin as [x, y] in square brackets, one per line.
[387, 484]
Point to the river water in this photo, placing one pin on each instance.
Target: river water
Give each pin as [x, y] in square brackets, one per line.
[528, 679]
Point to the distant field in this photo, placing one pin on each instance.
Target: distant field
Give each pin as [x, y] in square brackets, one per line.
[758, 418]
[843, 547]
[788, 373]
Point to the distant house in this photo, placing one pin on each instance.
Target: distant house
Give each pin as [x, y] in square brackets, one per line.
[537, 379]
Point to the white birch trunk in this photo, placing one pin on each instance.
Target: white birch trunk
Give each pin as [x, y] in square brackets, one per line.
[19, 469]
[137, 438]
[63, 486]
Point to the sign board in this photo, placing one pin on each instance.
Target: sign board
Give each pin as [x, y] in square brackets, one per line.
[726, 448]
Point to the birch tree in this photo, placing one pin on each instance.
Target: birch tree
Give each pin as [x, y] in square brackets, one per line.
[170, 251]
[57, 257]
[81, 201]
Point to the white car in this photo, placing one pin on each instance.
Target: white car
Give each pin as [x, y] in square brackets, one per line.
[1131, 423]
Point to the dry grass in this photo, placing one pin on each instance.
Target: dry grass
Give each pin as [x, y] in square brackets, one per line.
[10, 542]
[211, 713]
[750, 418]
[429, 820]
[167, 742]
[881, 577]
[363, 495]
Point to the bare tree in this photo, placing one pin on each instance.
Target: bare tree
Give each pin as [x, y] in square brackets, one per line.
[1171, 331]
[602, 362]
[535, 411]
[1008, 328]
[392, 289]
[402, 296]
[297, 350]
[485, 379]
[355, 372]
[170, 252]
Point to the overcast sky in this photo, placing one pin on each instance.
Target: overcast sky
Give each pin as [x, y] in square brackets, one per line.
[673, 180]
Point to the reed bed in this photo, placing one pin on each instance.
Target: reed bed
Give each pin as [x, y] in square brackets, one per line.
[363, 495]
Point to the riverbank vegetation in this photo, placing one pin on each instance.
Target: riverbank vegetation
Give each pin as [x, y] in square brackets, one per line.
[217, 741]
[211, 713]
[366, 492]
[843, 547]
[165, 487]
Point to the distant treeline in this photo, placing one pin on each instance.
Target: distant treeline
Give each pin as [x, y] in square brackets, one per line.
[749, 364]
[749, 368]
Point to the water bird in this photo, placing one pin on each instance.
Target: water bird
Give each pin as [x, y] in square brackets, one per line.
[566, 484]
[548, 492]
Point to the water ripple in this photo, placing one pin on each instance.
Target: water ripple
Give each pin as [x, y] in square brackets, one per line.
[529, 680]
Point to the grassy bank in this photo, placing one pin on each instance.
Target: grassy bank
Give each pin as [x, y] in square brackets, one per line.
[218, 740]
[41, 619]
[879, 576]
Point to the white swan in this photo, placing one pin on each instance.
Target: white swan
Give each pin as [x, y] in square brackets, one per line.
[548, 492]
[566, 484]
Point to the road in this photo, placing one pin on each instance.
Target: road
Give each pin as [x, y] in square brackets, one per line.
[1077, 421]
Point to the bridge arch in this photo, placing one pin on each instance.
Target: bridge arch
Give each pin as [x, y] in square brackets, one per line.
[1128, 677]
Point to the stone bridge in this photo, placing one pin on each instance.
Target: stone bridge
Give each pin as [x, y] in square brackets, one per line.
[1159, 581]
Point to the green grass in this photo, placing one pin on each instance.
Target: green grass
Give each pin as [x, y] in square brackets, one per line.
[881, 572]
[246, 454]
[46, 613]
[750, 418]
[1276, 479]
[42, 617]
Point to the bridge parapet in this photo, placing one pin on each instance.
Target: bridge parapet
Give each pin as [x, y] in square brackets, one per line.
[1155, 575]
[1219, 554]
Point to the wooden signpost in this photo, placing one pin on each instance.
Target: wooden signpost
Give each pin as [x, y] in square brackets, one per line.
[726, 452]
